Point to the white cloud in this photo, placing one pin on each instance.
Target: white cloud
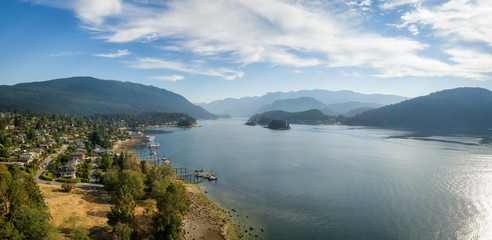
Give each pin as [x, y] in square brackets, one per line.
[94, 11]
[65, 54]
[391, 4]
[154, 63]
[172, 78]
[286, 32]
[459, 19]
[119, 53]
[89, 11]
[297, 71]
[413, 29]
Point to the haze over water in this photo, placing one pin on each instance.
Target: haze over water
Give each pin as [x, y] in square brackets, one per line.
[339, 182]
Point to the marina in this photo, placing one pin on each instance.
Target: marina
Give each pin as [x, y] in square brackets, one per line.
[192, 176]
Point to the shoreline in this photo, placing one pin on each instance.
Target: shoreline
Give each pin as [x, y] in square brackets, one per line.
[205, 220]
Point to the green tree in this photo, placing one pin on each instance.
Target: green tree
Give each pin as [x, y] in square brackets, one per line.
[23, 213]
[123, 210]
[171, 205]
[122, 231]
[106, 161]
[4, 153]
[134, 182]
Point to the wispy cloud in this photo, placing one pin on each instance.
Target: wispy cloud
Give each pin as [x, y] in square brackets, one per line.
[459, 19]
[65, 54]
[283, 32]
[154, 63]
[391, 4]
[119, 53]
[172, 78]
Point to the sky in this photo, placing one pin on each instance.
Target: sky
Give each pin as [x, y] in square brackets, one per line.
[214, 49]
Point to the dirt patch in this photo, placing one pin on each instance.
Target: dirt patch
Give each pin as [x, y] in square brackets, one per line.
[88, 206]
[205, 219]
[122, 145]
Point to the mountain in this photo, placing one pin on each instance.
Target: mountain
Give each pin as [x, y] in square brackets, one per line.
[86, 95]
[356, 111]
[313, 116]
[247, 106]
[348, 106]
[293, 105]
[459, 109]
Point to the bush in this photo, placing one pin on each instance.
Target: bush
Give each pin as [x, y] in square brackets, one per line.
[47, 176]
[67, 180]
[86, 180]
[67, 187]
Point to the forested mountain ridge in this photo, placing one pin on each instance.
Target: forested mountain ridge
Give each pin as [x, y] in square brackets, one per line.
[293, 105]
[310, 117]
[454, 109]
[86, 95]
[247, 106]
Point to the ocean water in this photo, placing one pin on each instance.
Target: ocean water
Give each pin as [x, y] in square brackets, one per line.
[340, 182]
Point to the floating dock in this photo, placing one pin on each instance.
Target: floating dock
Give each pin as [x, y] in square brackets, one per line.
[196, 176]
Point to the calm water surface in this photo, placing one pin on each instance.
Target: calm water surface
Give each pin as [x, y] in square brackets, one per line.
[339, 182]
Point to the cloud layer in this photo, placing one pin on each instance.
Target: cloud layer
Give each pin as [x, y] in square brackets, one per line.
[298, 33]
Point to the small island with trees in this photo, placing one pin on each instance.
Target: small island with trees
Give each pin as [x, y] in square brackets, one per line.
[277, 124]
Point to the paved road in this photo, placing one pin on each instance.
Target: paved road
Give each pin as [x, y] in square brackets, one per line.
[92, 185]
[45, 165]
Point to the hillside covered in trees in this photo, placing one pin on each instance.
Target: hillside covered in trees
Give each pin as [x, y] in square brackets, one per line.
[81, 96]
[460, 109]
[313, 116]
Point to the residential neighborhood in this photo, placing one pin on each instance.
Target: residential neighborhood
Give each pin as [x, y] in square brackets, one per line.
[29, 139]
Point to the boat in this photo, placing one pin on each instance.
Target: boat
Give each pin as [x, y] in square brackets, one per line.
[153, 144]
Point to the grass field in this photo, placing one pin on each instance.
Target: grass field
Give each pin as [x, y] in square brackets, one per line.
[88, 206]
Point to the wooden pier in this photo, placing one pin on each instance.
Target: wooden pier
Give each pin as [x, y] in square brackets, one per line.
[197, 176]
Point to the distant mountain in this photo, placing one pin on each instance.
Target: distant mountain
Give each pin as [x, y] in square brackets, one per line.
[356, 111]
[87, 95]
[449, 110]
[314, 116]
[247, 106]
[349, 109]
[293, 105]
[348, 106]
[329, 111]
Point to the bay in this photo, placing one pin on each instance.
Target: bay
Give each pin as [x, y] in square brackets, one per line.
[340, 182]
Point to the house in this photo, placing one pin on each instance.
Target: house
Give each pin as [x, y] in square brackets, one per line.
[12, 163]
[99, 150]
[37, 151]
[75, 157]
[51, 142]
[79, 143]
[44, 146]
[12, 151]
[40, 138]
[27, 158]
[67, 171]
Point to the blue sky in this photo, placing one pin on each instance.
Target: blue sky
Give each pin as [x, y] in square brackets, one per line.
[214, 49]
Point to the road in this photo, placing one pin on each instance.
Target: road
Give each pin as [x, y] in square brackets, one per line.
[45, 165]
[91, 185]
